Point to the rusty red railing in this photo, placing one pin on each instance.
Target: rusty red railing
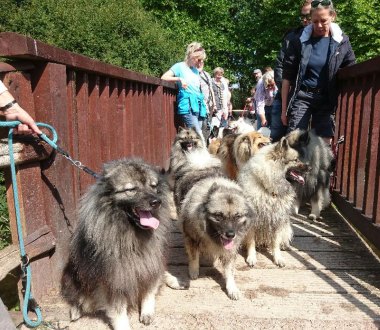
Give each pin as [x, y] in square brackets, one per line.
[101, 112]
[356, 192]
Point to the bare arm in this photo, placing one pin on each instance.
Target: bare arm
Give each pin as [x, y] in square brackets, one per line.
[169, 76]
[15, 112]
[284, 99]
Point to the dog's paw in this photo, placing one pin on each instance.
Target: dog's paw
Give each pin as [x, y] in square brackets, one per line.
[146, 319]
[75, 313]
[312, 217]
[173, 282]
[234, 294]
[194, 273]
[279, 261]
[251, 260]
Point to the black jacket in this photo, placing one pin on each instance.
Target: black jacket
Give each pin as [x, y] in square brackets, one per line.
[297, 57]
[292, 34]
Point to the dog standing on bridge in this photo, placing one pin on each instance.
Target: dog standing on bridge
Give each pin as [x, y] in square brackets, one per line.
[266, 180]
[212, 210]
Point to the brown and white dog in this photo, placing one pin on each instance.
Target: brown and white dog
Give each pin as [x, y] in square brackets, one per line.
[236, 149]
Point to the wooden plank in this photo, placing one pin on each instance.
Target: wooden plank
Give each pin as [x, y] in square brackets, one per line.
[306, 243]
[289, 280]
[296, 259]
[365, 122]
[74, 132]
[373, 168]
[51, 103]
[348, 141]
[355, 142]
[93, 115]
[341, 131]
[103, 125]
[36, 244]
[128, 119]
[346, 146]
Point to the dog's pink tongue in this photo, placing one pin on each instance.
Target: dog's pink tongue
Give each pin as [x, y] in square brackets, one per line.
[147, 220]
[298, 177]
[228, 244]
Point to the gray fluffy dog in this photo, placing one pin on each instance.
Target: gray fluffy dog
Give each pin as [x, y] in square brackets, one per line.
[315, 152]
[213, 213]
[117, 253]
[265, 179]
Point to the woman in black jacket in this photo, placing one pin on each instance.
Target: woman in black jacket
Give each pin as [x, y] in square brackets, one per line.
[309, 72]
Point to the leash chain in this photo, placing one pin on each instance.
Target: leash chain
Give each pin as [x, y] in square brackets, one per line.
[77, 163]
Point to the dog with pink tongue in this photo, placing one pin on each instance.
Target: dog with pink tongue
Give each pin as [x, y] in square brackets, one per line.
[118, 250]
[212, 210]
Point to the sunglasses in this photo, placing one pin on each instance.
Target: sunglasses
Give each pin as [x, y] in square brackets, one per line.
[323, 3]
[305, 17]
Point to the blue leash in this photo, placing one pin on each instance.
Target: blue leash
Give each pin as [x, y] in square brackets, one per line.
[29, 302]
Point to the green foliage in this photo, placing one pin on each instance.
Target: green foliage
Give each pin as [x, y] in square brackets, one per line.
[360, 20]
[5, 232]
[117, 32]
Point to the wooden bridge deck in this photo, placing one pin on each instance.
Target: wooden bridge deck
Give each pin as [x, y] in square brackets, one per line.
[330, 281]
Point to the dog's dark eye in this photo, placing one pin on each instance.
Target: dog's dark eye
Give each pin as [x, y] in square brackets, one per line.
[154, 185]
[127, 190]
[217, 217]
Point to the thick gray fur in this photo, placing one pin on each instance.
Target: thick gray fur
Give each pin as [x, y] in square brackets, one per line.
[265, 181]
[212, 209]
[113, 263]
[318, 155]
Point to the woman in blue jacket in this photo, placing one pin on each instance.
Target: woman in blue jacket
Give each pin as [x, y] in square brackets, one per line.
[310, 65]
[190, 100]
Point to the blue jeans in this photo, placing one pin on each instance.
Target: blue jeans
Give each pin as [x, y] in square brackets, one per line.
[278, 130]
[193, 120]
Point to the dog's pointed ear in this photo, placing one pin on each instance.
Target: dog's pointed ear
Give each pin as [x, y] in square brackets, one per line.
[180, 129]
[283, 144]
[110, 168]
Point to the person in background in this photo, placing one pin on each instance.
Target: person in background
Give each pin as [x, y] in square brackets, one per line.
[209, 97]
[190, 100]
[266, 90]
[267, 69]
[11, 110]
[253, 104]
[257, 74]
[220, 88]
[278, 130]
[309, 71]
[228, 97]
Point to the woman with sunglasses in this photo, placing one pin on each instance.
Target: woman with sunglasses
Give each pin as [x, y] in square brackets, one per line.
[309, 72]
[190, 100]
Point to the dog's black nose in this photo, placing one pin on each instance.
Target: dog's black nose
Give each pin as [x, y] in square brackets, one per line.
[230, 233]
[155, 203]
